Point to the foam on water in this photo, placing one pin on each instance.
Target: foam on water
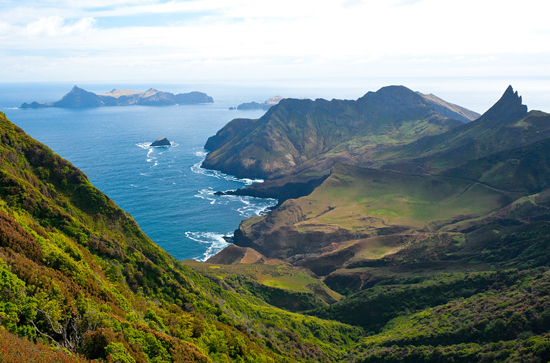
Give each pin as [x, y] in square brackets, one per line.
[255, 206]
[208, 194]
[246, 206]
[155, 185]
[196, 168]
[153, 151]
[144, 145]
[215, 240]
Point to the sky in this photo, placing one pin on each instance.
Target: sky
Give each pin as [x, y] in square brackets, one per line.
[257, 41]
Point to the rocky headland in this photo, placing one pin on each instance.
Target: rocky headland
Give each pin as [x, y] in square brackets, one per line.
[359, 181]
[266, 105]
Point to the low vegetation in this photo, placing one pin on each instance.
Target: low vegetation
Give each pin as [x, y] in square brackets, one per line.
[443, 263]
[78, 275]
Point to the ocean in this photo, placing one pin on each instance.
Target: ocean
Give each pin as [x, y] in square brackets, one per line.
[164, 189]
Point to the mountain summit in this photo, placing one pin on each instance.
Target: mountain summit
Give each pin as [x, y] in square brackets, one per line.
[296, 134]
[79, 97]
[506, 125]
[509, 106]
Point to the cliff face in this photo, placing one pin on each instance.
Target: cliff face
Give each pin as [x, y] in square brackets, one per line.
[434, 258]
[295, 134]
[500, 157]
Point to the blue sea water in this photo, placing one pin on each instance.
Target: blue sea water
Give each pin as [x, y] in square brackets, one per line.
[164, 189]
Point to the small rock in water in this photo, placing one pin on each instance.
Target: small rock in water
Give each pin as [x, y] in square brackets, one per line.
[161, 142]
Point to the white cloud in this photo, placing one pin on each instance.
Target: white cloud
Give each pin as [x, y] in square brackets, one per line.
[54, 26]
[286, 38]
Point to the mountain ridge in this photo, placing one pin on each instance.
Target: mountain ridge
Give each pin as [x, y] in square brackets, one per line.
[295, 132]
[439, 246]
[506, 124]
[508, 166]
[79, 98]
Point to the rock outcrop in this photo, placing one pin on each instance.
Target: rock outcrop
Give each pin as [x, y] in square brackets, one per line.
[161, 142]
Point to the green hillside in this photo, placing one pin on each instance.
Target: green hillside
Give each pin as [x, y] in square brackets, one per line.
[77, 274]
[359, 214]
[506, 125]
[296, 134]
[440, 247]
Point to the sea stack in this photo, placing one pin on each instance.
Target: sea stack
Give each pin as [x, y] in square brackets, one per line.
[161, 142]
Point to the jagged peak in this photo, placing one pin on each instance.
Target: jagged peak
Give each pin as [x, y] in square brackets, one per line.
[510, 105]
[510, 94]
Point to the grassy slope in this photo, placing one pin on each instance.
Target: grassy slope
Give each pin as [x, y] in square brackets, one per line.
[436, 268]
[78, 274]
[524, 169]
[342, 221]
[454, 297]
[506, 125]
[275, 282]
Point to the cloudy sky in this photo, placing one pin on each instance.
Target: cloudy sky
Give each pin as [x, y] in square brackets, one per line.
[261, 41]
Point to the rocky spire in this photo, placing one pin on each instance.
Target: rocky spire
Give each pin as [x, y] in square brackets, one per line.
[509, 106]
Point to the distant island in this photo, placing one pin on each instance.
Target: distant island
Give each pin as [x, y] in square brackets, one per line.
[266, 105]
[80, 98]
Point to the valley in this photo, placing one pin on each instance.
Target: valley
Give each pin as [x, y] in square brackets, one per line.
[433, 217]
[407, 229]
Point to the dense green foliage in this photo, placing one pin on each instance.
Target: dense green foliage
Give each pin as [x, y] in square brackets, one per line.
[452, 267]
[77, 273]
[441, 246]
[508, 321]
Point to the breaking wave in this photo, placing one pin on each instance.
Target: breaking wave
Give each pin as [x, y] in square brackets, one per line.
[215, 240]
[152, 151]
[246, 206]
[196, 168]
